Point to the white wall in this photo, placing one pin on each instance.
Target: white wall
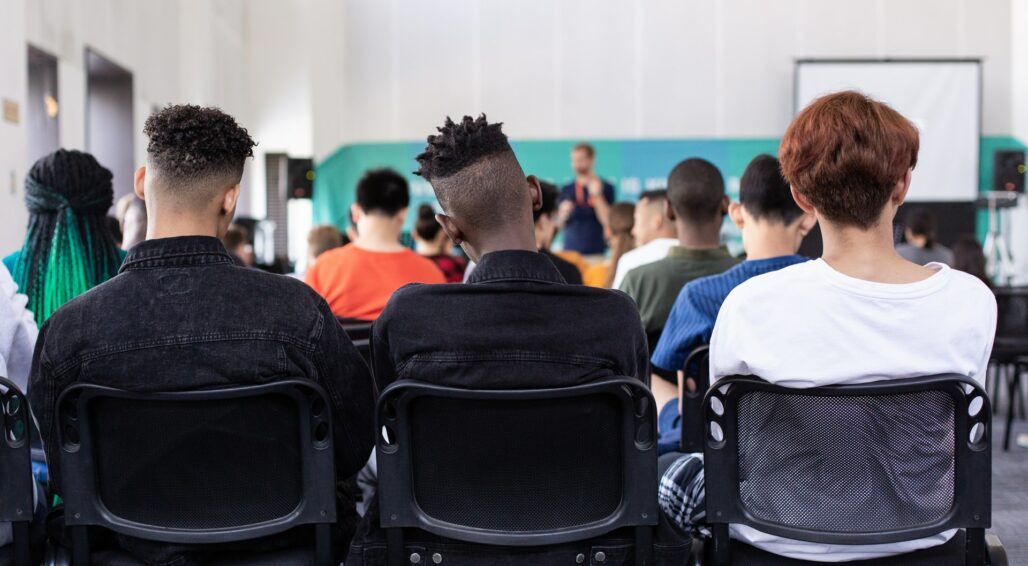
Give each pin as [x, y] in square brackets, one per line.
[636, 68]
[13, 137]
[1019, 93]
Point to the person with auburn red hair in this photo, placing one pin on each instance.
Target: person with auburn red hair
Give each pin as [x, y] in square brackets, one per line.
[860, 313]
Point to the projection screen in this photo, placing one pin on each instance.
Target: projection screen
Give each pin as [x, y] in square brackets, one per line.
[942, 98]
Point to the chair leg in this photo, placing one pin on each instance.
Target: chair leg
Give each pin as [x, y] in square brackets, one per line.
[1020, 392]
[721, 551]
[643, 546]
[80, 546]
[974, 547]
[1011, 401]
[394, 546]
[22, 554]
[323, 545]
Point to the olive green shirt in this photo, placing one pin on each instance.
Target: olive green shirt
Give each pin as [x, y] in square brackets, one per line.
[655, 286]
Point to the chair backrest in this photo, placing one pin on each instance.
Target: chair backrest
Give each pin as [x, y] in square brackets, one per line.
[697, 368]
[1012, 311]
[355, 328]
[17, 488]
[517, 467]
[207, 466]
[873, 463]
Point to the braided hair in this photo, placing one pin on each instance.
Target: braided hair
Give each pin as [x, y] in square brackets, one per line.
[68, 249]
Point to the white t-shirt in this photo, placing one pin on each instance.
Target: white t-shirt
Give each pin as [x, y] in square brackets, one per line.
[652, 251]
[808, 325]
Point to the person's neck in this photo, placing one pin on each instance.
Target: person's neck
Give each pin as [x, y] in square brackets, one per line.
[668, 234]
[427, 248]
[768, 241]
[699, 236]
[505, 241]
[917, 241]
[378, 235]
[583, 177]
[868, 254]
[178, 226]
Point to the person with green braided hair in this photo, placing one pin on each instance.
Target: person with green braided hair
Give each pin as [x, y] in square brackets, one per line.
[68, 249]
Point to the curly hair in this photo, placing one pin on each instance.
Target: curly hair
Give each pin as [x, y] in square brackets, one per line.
[459, 145]
[190, 144]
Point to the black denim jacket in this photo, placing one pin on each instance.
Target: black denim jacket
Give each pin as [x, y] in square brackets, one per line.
[515, 324]
[181, 315]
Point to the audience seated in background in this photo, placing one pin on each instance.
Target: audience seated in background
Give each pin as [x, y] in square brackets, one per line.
[859, 314]
[237, 242]
[358, 278]
[772, 228]
[515, 323]
[546, 230]
[130, 211]
[198, 319]
[430, 241]
[920, 246]
[697, 205]
[654, 235]
[969, 258]
[68, 249]
[585, 205]
[320, 239]
[619, 238]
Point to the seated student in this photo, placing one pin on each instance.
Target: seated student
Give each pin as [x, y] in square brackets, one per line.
[431, 241]
[237, 243]
[772, 227]
[920, 246]
[546, 230]
[618, 233]
[696, 204]
[199, 320]
[859, 314]
[654, 235]
[358, 278]
[542, 332]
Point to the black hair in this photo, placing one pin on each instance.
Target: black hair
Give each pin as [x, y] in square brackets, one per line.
[197, 147]
[549, 195]
[426, 226]
[459, 145]
[764, 192]
[382, 190]
[922, 222]
[969, 258]
[696, 191]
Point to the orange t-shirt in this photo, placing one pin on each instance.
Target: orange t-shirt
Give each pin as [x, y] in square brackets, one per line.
[357, 283]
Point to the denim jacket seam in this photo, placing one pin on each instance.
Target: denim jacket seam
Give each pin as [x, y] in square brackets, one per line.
[411, 361]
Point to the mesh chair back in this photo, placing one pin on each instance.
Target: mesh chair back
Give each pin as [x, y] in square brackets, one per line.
[200, 466]
[856, 464]
[696, 368]
[517, 467]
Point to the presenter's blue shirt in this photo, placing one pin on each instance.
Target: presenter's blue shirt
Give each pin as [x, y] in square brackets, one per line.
[583, 232]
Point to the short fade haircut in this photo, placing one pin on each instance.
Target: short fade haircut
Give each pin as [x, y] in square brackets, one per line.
[549, 194]
[845, 152]
[653, 196]
[473, 170]
[384, 191]
[586, 147]
[765, 194]
[196, 150]
[696, 191]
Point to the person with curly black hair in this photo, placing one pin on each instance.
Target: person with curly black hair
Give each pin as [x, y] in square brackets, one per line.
[515, 324]
[200, 321]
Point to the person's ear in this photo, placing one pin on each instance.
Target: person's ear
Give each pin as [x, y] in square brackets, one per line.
[535, 191]
[726, 203]
[355, 213]
[801, 201]
[453, 232]
[401, 216]
[140, 182]
[229, 201]
[669, 211]
[899, 192]
[735, 213]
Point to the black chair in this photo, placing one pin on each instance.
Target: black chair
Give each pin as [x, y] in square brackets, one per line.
[355, 328]
[820, 465]
[199, 467]
[518, 467]
[696, 368]
[17, 488]
[1010, 351]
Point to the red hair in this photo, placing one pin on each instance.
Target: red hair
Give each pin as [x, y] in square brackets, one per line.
[845, 152]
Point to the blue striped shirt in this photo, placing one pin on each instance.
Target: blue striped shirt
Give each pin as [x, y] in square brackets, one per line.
[692, 317]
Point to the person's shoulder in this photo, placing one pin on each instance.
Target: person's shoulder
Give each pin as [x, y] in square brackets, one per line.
[970, 288]
[780, 283]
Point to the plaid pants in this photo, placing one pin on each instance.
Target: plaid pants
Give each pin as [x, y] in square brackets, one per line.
[682, 496]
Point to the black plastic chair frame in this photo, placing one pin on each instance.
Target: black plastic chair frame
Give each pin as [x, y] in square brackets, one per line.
[400, 509]
[16, 494]
[972, 506]
[84, 507]
[692, 401]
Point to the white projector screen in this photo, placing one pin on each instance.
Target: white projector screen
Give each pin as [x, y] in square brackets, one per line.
[942, 98]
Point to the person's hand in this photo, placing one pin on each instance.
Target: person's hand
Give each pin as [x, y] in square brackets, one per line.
[566, 208]
[595, 186]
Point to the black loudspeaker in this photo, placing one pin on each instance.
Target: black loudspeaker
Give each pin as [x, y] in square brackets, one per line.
[1008, 170]
[301, 178]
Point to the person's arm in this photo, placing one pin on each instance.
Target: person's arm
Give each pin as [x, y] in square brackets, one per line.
[598, 198]
[685, 328]
[566, 206]
[42, 395]
[351, 391]
[18, 331]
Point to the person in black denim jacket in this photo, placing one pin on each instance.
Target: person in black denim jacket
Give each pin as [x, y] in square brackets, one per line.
[182, 315]
[515, 324]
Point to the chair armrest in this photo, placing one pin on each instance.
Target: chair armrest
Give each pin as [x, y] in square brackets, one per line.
[994, 548]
